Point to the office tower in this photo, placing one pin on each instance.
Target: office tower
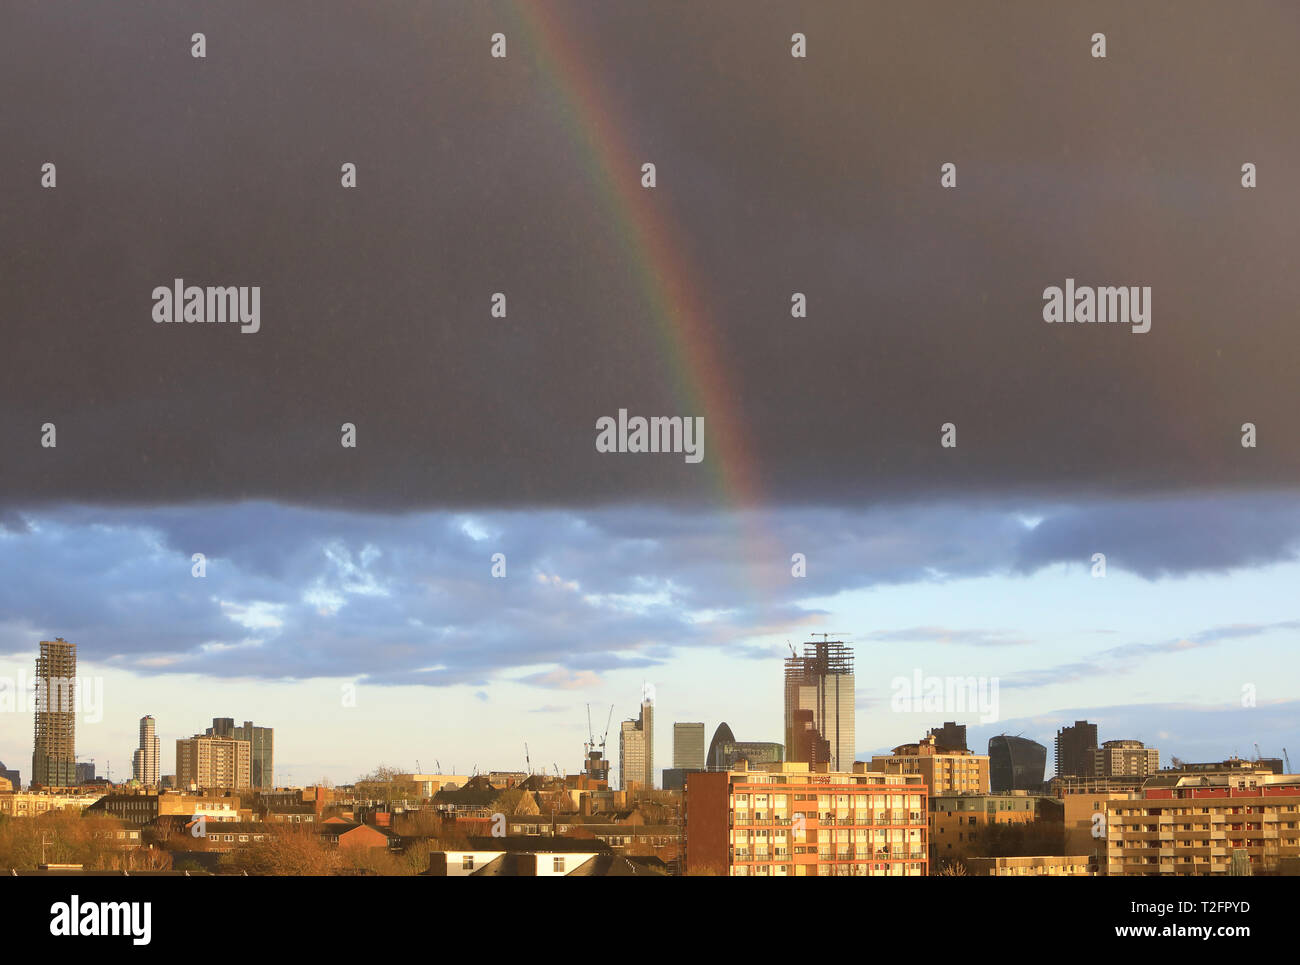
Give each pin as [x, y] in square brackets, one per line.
[13, 777]
[1074, 747]
[721, 737]
[788, 820]
[1125, 758]
[54, 757]
[636, 749]
[648, 728]
[207, 762]
[821, 681]
[146, 763]
[1016, 764]
[688, 746]
[85, 772]
[261, 741]
[631, 756]
[950, 737]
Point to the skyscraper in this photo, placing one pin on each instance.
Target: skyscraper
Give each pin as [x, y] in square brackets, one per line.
[1016, 764]
[821, 681]
[636, 756]
[261, 741]
[54, 755]
[146, 762]
[1074, 749]
[688, 746]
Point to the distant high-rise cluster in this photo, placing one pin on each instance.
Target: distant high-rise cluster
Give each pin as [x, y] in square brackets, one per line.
[261, 747]
[1079, 756]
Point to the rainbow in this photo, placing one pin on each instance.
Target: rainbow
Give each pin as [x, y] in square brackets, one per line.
[687, 337]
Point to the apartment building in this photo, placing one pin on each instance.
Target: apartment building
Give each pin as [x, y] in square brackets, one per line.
[943, 771]
[799, 819]
[1192, 825]
[213, 762]
[1125, 759]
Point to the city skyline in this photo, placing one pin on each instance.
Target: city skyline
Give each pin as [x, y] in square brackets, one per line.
[414, 380]
[1108, 727]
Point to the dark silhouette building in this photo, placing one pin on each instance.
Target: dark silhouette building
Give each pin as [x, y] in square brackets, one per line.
[1016, 764]
[1074, 749]
[950, 737]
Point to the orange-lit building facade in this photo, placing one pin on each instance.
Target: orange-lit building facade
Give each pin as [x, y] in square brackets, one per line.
[1194, 826]
[799, 819]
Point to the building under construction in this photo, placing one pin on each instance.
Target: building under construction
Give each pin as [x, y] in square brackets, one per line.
[819, 705]
[54, 753]
[595, 766]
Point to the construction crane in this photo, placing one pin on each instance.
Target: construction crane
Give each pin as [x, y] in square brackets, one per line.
[1287, 757]
[607, 723]
[1258, 755]
[557, 768]
[528, 765]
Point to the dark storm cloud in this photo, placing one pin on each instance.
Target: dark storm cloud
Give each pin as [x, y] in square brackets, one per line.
[1154, 538]
[292, 593]
[777, 175]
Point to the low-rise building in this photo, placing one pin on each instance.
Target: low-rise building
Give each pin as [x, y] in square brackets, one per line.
[28, 804]
[1079, 866]
[959, 822]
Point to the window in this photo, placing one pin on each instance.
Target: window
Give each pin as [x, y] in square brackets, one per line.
[467, 862]
[557, 864]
